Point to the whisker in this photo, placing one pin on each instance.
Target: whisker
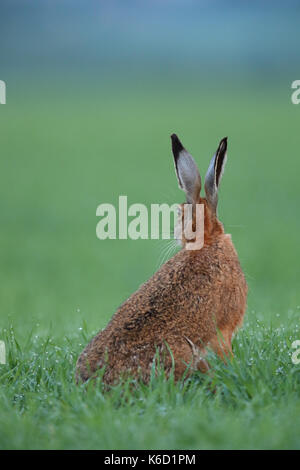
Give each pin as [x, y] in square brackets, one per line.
[168, 251]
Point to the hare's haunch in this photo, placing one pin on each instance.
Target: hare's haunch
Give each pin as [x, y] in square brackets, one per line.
[195, 300]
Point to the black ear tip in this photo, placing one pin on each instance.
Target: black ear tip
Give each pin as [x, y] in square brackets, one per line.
[176, 145]
[223, 144]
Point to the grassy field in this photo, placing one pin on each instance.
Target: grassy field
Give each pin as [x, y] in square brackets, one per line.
[62, 156]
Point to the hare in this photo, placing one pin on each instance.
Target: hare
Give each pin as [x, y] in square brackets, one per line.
[195, 300]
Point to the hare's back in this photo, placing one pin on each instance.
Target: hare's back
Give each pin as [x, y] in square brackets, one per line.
[178, 297]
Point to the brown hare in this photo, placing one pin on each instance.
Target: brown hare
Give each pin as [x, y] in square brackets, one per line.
[194, 301]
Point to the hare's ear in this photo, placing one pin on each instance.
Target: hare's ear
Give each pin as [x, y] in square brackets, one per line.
[187, 172]
[214, 174]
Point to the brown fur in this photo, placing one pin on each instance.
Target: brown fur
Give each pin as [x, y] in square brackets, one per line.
[195, 300]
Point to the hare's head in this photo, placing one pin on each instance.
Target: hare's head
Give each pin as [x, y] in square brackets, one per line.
[190, 182]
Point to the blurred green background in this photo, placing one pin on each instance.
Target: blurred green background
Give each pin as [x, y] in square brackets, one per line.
[94, 91]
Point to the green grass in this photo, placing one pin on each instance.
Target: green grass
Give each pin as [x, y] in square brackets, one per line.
[62, 156]
[252, 402]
